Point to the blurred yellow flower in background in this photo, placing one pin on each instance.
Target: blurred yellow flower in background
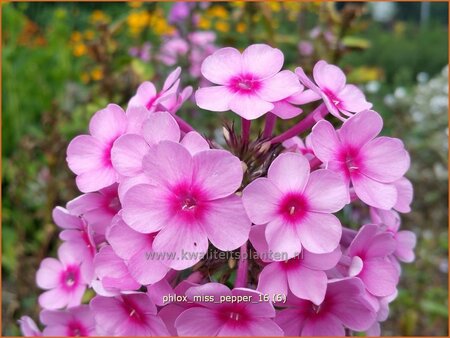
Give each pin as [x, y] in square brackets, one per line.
[97, 74]
[99, 16]
[160, 26]
[241, 27]
[217, 12]
[76, 37]
[137, 21]
[135, 4]
[85, 77]
[222, 26]
[79, 49]
[204, 23]
[89, 34]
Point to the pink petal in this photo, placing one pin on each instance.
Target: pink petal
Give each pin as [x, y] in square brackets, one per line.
[307, 284]
[258, 239]
[145, 208]
[291, 321]
[279, 86]
[181, 244]
[249, 106]
[49, 273]
[96, 179]
[306, 81]
[261, 198]
[129, 182]
[364, 236]
[136, 117]
[226, 223]
[262, 60]
[169, 164]
[84, 154]
[194, 142]
[273, 280]
[160, 126]
[404, 195]
[319, 233]
[353, 99]
[325, 325]
[355, 267]
[283, 239]
[108, 124]
[325, 141]
[329, 76]
[198, 321]
[222, 65]
[303, 97]
[217, 172]
[289, 172]
[379, 276]
[65, 220]
[125, 241]
[406, 241]
[323, 262]
[53, 299]
[216, 98]
[255, 308]
[145, 92]
[360, 129]
[326, 192]
[146, 269]
[374, 193]
[216, 290]
[260, 327]
[172, 78]
[381, 245]
[285, 110]
[385, 159]
[127, 154]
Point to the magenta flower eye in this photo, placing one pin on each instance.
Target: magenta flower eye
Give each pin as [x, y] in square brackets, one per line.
[175, 234]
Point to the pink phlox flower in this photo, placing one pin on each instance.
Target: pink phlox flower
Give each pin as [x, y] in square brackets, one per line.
[136, 249]
[303, 275]
[405, 195]
[80, 236]
[406, 240]
[89, 156]
[192, 200]
[372, 164]
[288, 107]
[252, 318]
[28, 327]
[63, 279]
[172, 49]
[344, 307]
[369, 260]
[330, 85]
[170, 98]
[297, 206]
[130, 314]
[74, 322]
[247, 83]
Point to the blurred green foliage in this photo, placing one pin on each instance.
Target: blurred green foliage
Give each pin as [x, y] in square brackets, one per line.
[53, 81]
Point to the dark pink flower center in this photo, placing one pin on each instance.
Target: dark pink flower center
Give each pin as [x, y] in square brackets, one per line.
[76, 329]
[350, 159]
[332, 97]
[244, 84]
[70, 277]
[293, 207]
[114, 205]
[135, 314]
[234, 315]
[188, 202]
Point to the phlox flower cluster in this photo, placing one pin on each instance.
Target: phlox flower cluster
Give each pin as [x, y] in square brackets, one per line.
[159, 199]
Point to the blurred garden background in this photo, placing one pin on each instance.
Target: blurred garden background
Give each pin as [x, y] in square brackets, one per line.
[61, 62]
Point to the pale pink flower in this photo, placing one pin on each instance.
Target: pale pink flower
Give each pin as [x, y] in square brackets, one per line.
[406, 240]
[297, 205]
[28, 327]
[112, 272]
[369, 162]
[369, 253]
[79, 234]
[192, 200]
[89, 156]
[306, 48]
[287, 108]
[248, 83]
[344, 307]
[168, 99]
[338, 96]
[132, 314]
[136, 249]
[97, 208]
[172, 49]
[74, 322]
[303, 275]
[252, 318]
[297, 145]
[63, 279]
